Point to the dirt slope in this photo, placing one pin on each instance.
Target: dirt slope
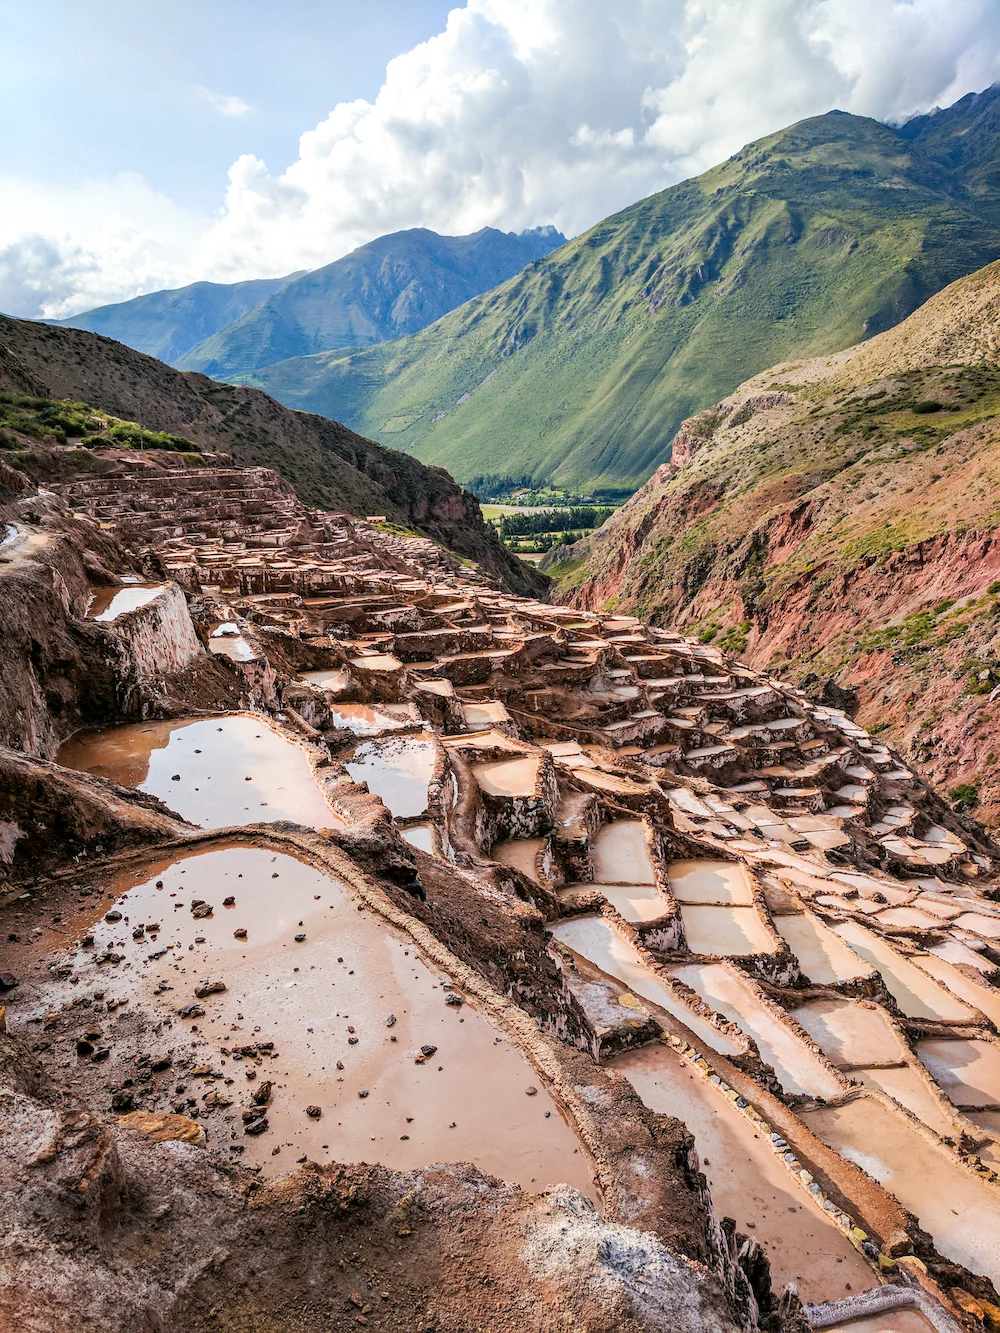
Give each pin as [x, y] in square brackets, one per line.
[837, 518]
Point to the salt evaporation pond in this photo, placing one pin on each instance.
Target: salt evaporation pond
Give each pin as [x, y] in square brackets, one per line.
[362, 719]
[337, 678]
[822, 954]
[710, 882]
[619, 854]
[889, 1321]
[214, 772]
[520, 854]
[959, 1209]
[968, 1071]
[798, 1068]
[748, 1181]
[913, 990]
[109, 603]
[325, 999]
[508, 777]
[905, 1085]
[850, 1034]
[725, 931]
[633, 902]
[594, 939]
[397, 770]
[420, 836]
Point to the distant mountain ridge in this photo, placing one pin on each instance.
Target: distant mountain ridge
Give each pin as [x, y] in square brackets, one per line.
[581, 368]
[391, 287]
[394, 286]
[169, 323]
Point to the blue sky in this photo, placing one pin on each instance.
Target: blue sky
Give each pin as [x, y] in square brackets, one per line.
[96, 87]
[148, 145]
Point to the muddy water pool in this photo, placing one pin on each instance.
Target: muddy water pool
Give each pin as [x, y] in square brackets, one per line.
[214, 772]
[508, 777]
[520, 854]
[325, 999]
[748, 1181]
[398, 770]
[594, 939]
[960, 1211]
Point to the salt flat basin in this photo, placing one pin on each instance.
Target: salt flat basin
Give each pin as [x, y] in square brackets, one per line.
[710, 882]
[594, 939]
[232, 770]
[362, 719]
[748, 1181]
[420, 836]
[519, 853]
[978, 994]
[508, 777]
[917, 994]
[377, 662]
[300, 997]
[967, 1071]
[986, 926]
[397, 770]
[823, 955]
[110, 603]
[905, 1085]
[889, 1321]
[486, 714]
[850, 1034]
[336, 678]
[620, 855]
[798, 1068]
[633, 902]
[725, 931]
[956, 1207]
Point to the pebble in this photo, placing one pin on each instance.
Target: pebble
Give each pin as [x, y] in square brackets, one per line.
[299, 938]
[229, 902]
[240, 934]
[209, 988]
[113, 916]
[363, 1092]
[314, 1112]
[391, 1021]
[7, 981]
[454, 1000]
[531, 1092]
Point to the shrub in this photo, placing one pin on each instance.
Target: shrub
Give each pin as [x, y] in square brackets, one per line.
[966, 795]
[927, 406]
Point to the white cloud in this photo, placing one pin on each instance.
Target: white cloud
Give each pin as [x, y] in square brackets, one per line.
[530, 111]
[224, 103]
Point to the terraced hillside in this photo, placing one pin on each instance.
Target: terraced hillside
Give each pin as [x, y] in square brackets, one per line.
[837, 519]
[580, 369]
[67, 384]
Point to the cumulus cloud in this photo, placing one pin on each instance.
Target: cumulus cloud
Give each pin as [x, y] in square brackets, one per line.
[524, 112]
[224, 103]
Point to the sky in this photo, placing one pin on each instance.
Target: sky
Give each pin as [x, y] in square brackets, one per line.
[147, 146]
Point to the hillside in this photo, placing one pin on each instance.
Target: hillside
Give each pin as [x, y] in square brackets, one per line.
[330, 466]
[167, 324]
[580, 369]
[391, 287]
[837, 520]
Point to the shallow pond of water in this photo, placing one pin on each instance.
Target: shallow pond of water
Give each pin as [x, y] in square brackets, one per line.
[822, 954]
[917, 994]
[597, 941]
[748, 1182]
[978, 994]
[362, 719]
[235, 648]
[420, 836]
[890, 1321]
[960, 1211]
[109, 603]
[720, 882]
[725, 931]
[798, 1068]
[398, 770]
[905, 1085]
[967, 1071]
[633, 902]
[619, 854]
[334, 678]
[352, 972]
[214, 771]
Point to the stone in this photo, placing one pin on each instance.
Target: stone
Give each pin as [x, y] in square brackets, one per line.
[229, 902]
[160, 1064]
[262, 1093]
[191, 1011]
[428, 1051]
[391, 1021]
[454, 1000]
[314, 1112]
[240, 934]
[257, 1127]
[163, 1128]
[205, 988]
[202, 910]
[113, 917]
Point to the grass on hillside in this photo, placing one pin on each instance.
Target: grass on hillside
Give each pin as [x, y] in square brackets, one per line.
[55, 422]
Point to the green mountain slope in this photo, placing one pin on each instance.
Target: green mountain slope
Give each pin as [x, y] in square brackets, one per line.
[389, 288]
[167, 324]
[580, 369]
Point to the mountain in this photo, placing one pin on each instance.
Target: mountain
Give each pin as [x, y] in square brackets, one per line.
[168, 324]
[836, 520]
[393, 286]
[580, 369]
[330, 466]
